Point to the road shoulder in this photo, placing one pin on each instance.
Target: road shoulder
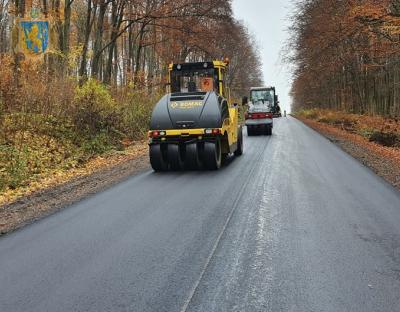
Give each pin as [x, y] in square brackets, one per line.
[51, 196]
[384, 161]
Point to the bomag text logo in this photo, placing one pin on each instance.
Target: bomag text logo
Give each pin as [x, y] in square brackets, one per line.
[186, 104]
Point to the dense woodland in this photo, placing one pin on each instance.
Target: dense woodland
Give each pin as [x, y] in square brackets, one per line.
[121, 42]
[94, 89]
[346, 55]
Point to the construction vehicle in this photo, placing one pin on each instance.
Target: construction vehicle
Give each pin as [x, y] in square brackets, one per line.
[261, 109]
[195, 125]
[277, 109]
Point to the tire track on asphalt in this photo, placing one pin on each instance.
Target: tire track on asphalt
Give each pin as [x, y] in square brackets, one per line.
[225, 226]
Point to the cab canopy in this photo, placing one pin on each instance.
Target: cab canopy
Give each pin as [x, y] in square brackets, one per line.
[198, 77]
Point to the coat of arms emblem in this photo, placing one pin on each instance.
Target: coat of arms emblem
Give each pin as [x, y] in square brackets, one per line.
[34, 36]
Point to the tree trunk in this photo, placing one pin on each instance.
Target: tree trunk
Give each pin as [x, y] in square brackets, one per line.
[97, 50]
[88, 30]
[66, 26]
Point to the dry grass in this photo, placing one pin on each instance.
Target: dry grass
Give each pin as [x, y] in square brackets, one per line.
[58, 176]
[51, 126]
[383, 131]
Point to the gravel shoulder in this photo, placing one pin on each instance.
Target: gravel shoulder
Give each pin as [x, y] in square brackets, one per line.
[384, 161]
[53, 196]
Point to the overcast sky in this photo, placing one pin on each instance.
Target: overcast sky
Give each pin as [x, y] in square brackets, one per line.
[267, 20]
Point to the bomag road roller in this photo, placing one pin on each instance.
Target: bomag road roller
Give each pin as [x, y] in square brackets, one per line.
[195, 126]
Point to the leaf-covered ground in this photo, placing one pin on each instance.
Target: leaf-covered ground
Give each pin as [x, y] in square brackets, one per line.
[378, 129]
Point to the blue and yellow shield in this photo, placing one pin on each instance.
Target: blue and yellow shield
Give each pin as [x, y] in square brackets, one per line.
[34, 37]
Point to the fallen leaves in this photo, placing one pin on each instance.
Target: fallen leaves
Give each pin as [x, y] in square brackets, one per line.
[59, 176]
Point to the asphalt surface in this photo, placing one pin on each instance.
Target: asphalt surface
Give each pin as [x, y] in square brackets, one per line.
[295, 224]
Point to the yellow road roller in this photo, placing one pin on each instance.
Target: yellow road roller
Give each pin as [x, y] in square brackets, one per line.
[195, 125]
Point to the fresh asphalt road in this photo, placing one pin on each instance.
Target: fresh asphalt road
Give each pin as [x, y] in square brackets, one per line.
[295, 224]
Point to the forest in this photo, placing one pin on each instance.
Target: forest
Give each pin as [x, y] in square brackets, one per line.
[122, 42]
[346, 56]
[102, 69]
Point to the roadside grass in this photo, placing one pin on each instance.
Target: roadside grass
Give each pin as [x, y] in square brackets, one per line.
[378, 129]
[51, 126]
[57, 175]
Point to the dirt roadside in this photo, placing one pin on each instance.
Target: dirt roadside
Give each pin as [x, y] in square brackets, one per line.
[384, 161]
[53, 196]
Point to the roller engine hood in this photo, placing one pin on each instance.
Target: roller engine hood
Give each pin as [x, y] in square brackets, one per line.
[187, 111]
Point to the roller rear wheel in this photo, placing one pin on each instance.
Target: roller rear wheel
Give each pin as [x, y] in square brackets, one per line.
[157, 158]
[175, 158]
[192, 159]
[239, 150]
[212, 155]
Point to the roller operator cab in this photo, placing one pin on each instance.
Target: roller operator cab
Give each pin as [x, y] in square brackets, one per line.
[261, 107]
[195, 126]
